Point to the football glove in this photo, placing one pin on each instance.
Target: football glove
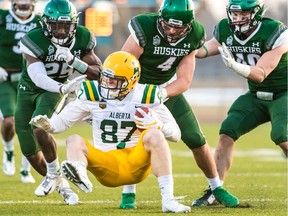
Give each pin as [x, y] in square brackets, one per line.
[63, 53]
[41, 121]
[72, 85]
[163, 94]
[226, 55]
[148, 120]
[3, 74]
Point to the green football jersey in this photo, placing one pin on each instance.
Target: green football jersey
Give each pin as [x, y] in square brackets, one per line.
[248, 51]
[160, 59]
[41, 47]
[12, 29]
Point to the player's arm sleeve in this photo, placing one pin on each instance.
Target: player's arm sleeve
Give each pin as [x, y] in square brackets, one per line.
[281, 40]
[37, 73]
[170, 128]
[73, 112]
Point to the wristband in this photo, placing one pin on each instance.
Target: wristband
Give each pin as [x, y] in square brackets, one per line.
[241, 69]
[79, 65]
[163, 93]
[206, 50]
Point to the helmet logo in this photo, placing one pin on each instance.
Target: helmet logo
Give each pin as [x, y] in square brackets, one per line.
[235, 7]
[175, 22]
[64, 18]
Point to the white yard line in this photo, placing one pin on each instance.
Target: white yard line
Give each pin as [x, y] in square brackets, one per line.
[91, 202]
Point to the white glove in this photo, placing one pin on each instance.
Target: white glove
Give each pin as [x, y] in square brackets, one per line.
[163, 94]
[226, 55]
[149, 120]
[63, 53]
[3, 74]
[72, 85]
[41, 121]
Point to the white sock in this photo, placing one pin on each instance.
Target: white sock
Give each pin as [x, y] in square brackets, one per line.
[53, 167]
[81, 166]
[25, 164]
[129, 189]
[214, 182]
[166, 185]
[8, 145]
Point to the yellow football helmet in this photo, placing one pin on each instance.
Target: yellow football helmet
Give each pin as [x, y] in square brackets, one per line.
[120, 73]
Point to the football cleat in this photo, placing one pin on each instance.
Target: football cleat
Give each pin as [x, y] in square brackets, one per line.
[225, 198]
[172, 205]
[8, 163]
[48, 184]
[77, 176]
[207, 199]
[26, 177]
[66, 193]
[128, 201]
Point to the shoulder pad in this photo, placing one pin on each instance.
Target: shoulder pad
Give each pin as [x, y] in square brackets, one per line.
[149, 94]
[89, 91]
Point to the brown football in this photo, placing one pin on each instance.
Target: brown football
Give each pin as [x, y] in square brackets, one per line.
[145, 109]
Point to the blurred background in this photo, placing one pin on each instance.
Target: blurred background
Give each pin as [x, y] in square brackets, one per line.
[214, 87]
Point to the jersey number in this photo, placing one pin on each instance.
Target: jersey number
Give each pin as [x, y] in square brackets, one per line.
[110, 128]
[167, 64]
[251, 59]
[58, 69]
[17, 37]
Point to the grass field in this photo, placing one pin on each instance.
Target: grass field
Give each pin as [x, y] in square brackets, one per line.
[258, 177]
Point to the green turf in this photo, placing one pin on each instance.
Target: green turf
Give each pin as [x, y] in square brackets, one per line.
[258, 178]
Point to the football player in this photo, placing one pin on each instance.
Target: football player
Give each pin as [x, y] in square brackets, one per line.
[120, 154]
[166, 44]
[14, 23]
[254, 47]
[51, 54]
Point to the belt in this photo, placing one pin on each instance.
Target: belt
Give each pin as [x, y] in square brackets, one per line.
[13, 70]
[14, 76]
[267, 96]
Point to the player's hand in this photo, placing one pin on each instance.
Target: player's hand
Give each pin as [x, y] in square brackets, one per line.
[63, 53]
[149, 120]
[3, 74]
[226, 55]
[41, 121]
[72, 85]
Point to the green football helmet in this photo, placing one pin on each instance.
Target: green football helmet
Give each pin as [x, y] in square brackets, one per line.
[59, 21]
[256, 9]
[23, 8]
[175, 19]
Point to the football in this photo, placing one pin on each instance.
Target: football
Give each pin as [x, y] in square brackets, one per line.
[145, 109]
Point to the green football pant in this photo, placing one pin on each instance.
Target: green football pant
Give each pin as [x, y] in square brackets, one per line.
[30, 104]
[191, 133]
[248, 112]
